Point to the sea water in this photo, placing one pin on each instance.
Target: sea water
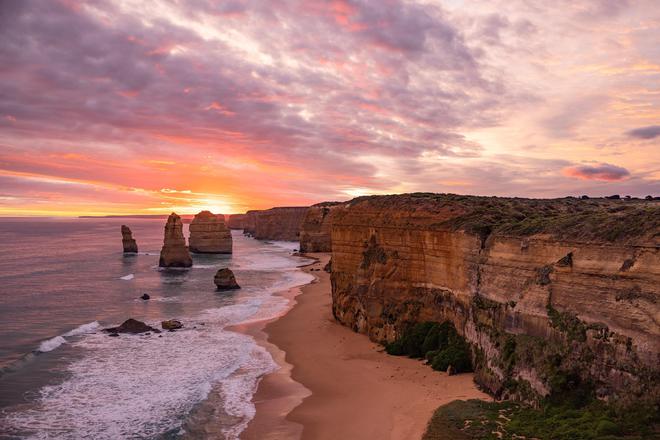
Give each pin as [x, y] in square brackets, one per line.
[63, 280]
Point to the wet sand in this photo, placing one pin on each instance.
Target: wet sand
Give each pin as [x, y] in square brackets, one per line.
[336, 384]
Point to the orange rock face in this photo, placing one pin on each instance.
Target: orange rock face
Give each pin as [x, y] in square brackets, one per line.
[316, 228]
[275, 224]
[538, 303]
[127, 240]
[174, 252]
[209, 234]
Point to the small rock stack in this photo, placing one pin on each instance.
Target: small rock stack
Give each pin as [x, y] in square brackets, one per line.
[130, 245]
[174, 252]
[209, 234]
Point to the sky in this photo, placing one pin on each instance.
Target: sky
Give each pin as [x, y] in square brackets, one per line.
[148, 107]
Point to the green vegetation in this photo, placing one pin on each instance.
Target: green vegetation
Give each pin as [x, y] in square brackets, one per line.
[594, 420]
[439, 344]
[568, 218]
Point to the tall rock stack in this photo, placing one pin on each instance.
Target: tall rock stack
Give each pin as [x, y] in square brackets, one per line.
[175, 252]
[130, 245]
[209, 234]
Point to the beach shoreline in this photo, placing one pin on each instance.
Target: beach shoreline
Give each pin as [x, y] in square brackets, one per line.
[335, 383]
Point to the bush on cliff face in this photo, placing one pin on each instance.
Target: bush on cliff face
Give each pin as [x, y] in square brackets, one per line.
[440, 344]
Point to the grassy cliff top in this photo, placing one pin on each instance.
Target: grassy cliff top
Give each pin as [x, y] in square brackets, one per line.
[597, 219]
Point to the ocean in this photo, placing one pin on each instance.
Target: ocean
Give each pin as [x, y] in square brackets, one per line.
[63, 280]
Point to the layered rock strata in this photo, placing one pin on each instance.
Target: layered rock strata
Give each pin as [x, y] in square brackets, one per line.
[250, 222]
[174, 252]
[316, 228]
[282, 223]
[127, 240]
[236, 221]
[551, 294]
[209, 234]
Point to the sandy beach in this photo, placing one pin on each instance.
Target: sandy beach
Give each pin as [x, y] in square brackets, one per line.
[335, 383]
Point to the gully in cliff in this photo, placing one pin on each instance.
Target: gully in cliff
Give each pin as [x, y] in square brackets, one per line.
[209, 234]
[127, 240]
[174, 252]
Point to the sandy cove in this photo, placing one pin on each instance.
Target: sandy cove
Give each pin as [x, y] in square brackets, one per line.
[357, 390]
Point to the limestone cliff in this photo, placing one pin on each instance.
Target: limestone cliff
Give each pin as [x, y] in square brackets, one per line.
[174, 252]
[209, 234]
[236, 221]
[250, 222]
[550, 293]
[127, 240]
[316, 228]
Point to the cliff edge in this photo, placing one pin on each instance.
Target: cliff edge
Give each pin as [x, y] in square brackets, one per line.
[549, 293]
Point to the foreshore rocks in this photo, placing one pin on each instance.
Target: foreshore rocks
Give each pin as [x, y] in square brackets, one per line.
[549, 293]
[127, 240]
[171, 324]
[316, 227]
[209, 234]
[225, 280]
[174, 252]
[131, 326]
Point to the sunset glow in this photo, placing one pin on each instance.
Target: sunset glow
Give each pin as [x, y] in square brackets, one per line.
[148, 107]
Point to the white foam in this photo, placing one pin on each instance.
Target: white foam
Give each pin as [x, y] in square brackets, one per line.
[51, 344]
[83, 329]
[139, 387]
[128, 277]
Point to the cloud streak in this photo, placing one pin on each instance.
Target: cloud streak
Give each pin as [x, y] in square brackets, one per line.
[603, 171]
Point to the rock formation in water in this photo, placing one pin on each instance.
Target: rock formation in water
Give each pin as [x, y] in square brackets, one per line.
[225, 280]
[236, 221]
[549, 293]
[131, 326]
[282, 223]
[316, 228]
[127, 240]
[174, 252]
[171, 324]
[209, 234]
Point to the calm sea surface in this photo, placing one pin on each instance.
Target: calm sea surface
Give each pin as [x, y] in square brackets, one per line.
[62, 281]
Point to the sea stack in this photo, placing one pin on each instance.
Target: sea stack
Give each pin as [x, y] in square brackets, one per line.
[225, 280]
[209, 234]
[130, 245]
[175, 252]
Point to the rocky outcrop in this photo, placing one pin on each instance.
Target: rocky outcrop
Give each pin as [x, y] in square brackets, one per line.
[250, 222]
[316, 228]
[209, 234]
[275, 224]
[549, 293]
[225, 280]
[171, 324]
[236, 221]
[127, 240]
[174, 252]
[132, 326]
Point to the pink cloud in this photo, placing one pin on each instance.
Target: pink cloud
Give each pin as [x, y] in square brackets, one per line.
[603, 171]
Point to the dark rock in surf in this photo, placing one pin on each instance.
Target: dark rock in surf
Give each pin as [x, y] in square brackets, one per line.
[225, 280]
[131, 326]
[171, 324]
[145, 297]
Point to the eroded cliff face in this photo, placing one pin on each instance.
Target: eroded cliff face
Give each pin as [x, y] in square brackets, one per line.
[316, 228]
[275, 224]
[209, 234]
[545, 303]
[236, 221]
